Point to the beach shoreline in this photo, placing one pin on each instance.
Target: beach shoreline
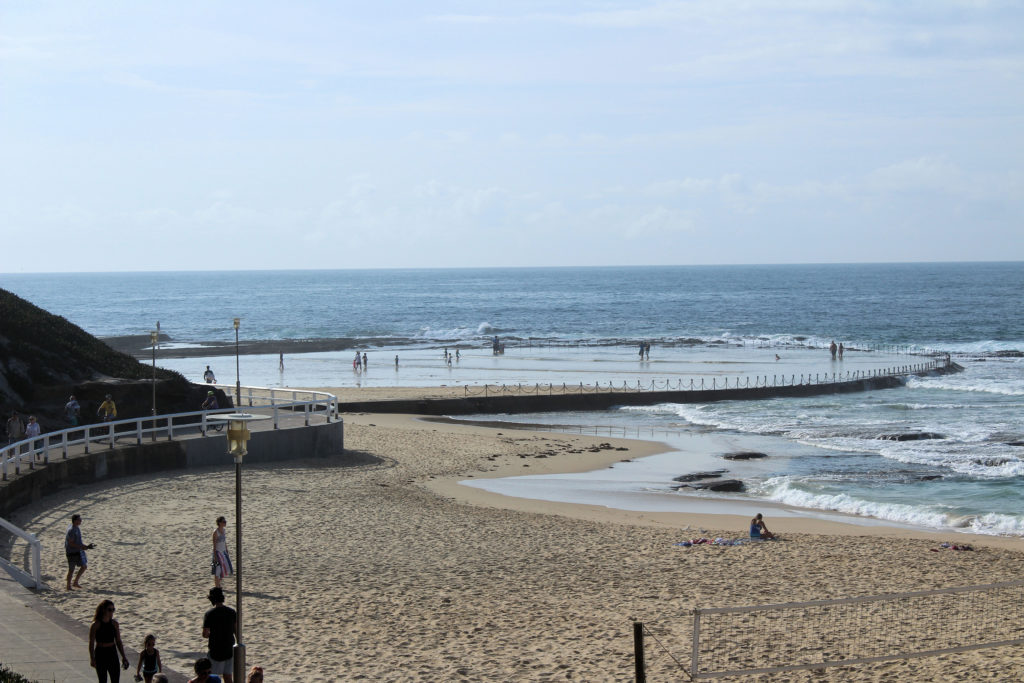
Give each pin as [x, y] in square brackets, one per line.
[807, 521]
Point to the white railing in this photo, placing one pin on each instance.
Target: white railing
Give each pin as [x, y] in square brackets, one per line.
[39, 448]
[36, 545]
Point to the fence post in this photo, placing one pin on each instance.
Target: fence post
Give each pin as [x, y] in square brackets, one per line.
[37, 574]
[695, 654]
[638, 651]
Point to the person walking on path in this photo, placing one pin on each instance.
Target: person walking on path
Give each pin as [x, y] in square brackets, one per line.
[72, 409]
[32, 431]
[75, 549]
[149, 660]
[221, 565]
[105, 643]
[15, 428]
[108, 409]
[219, 628]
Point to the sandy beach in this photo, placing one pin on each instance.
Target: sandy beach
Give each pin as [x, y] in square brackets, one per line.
[389, 570]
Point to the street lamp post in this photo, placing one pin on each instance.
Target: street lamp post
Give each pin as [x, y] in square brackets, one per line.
[153, 337]
[238, 437]
[238, 380]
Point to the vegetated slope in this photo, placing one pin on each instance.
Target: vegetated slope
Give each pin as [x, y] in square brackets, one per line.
[43, 357]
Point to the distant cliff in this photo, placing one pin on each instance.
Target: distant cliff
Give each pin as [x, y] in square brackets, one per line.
[44, 358]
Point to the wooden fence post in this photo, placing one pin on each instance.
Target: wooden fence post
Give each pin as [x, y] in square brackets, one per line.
[638, 652]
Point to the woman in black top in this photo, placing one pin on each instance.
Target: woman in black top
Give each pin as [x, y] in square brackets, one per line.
[105, 643]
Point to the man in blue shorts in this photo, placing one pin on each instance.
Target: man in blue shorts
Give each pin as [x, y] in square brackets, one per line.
[75, 549]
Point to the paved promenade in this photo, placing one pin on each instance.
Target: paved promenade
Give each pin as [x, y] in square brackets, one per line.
[44, 645]
[39, 642]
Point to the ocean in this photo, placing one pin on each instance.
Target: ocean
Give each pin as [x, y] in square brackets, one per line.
[583, 325]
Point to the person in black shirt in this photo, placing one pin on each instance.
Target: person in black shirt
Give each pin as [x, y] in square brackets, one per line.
[219, 628]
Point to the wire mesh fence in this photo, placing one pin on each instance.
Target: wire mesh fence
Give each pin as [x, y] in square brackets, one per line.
[730, 641]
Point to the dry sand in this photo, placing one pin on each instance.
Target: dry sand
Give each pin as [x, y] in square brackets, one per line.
[390, 571]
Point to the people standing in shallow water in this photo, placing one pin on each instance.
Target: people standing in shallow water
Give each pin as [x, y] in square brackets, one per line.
[221, 565]
[396, 362]
[364, 361]
[105, 643]
[833, 348]
[841, 349]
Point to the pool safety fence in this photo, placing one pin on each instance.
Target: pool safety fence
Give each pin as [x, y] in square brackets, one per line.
[705, 383]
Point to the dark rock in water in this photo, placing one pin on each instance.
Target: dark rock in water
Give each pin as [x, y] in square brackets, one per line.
[911, 436]
[699, 476]
[991, 462]
[744, 455]
[734, 485]
[929, 477]
[1015, 443]
[1009, 354]
[721, 486]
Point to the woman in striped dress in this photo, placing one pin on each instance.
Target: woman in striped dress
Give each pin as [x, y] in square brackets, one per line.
[221, 565]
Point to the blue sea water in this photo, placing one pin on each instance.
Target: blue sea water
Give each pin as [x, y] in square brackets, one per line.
[826, 454]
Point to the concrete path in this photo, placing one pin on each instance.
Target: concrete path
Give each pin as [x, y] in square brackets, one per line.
[44, 645]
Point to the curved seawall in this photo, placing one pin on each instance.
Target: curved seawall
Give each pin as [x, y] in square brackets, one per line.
[315, 441]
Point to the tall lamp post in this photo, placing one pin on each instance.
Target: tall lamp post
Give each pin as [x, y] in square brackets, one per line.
[238, 437]
[154, 335]
[238, 380]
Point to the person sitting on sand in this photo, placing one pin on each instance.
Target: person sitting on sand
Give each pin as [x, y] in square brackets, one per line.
[758, 530]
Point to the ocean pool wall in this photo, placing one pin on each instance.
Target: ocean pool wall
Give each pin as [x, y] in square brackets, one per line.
[588, 399]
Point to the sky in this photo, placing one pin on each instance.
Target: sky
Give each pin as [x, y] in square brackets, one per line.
[200, 135]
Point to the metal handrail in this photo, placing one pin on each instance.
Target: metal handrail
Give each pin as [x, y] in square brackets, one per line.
[36, 564]
[109, 432]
